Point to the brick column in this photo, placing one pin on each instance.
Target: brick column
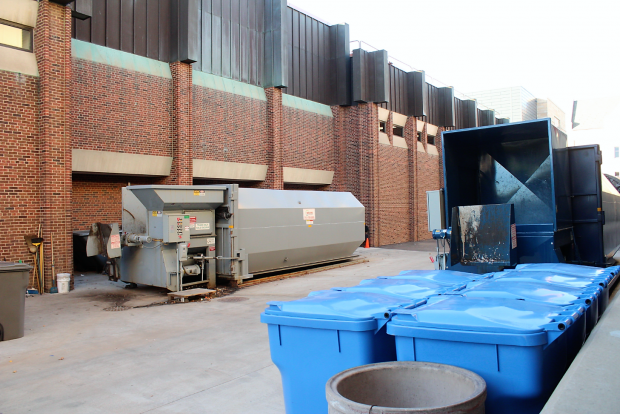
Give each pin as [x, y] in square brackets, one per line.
[368, 139]
[411, 138]
[53, 52]
[339, 182]
[182, 164]
[275, 176]
[438, 144]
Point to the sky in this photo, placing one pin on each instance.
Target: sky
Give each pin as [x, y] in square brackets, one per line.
[558, 50]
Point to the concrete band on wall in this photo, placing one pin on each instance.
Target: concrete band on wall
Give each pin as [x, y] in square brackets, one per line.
[106, 162]
[307, 176]
[221, 170]
[22, 12]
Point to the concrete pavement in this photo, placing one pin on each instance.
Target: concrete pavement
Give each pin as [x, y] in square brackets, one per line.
[208, 357]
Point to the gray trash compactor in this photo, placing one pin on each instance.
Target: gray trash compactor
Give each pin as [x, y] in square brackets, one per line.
[181, 236]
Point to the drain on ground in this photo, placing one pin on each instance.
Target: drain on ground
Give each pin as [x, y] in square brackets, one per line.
[233, 299]
[117, 308]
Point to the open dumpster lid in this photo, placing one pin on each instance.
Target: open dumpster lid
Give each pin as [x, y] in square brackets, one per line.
[482, 320]
[179, 197]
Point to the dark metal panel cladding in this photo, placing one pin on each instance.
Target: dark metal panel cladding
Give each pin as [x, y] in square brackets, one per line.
[127, 25]
[302, 56]
[205, 36]
[226, 57]
[500, 121]
[164, 30]
[197, 35]
[416, 94]
[113, 24]
[82, 9]
[276, 51]
[359, 75]
[82, 28]
[380, 86]
[470, 113]
[139, 27]
[433, 104]
[487, 117]
[309, 58]
[216, 37]
[152, 29]
[342, 62]
[391, 88]
[235, 40]
[244, 42]
[322, 55]
[446, 108]
[289, 41]
[316, 86]
[260, 40]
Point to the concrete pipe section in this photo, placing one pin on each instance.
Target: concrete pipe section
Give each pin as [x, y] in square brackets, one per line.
[406, 387]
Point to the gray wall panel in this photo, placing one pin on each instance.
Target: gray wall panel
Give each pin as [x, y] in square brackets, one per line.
[139, 27]
[205, 33]
[226, 55]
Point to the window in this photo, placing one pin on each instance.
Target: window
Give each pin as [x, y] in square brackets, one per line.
[430, 140]
[617, 174]
[398, 131]
[382, 126]
[15, 36]
[616, 152]
[419, 136]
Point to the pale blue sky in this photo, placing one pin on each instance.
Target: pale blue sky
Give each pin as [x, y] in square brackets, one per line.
[560, 50]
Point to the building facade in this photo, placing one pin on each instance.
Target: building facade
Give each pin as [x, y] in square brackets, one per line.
[101, 94]
[518, 104]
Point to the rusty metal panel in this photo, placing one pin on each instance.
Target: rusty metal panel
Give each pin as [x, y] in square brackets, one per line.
[127, 25]
[152, 29]
[112, 24]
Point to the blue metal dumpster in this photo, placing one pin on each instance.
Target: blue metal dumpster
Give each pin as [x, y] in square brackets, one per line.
[314, 338]
[412, 289]
[518, 347]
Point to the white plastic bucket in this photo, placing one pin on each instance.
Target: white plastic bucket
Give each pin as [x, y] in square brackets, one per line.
[62, 281]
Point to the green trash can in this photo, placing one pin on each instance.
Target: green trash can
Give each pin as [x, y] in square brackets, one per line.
[13, 284]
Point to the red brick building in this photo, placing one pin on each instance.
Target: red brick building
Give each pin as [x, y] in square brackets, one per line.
[99, 94]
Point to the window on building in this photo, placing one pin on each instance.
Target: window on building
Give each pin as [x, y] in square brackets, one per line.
[616, 152]
[382, 127]
[15, 36]
[430, 139]
[419, 136]
[617, 174]
[398, 131]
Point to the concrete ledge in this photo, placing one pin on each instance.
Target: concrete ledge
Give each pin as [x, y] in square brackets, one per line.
[384, 139]
[383, 114]
[19, 11]
[18, 61]
[399, 142]
[222, 170]
[431, 149]
[306, 176]
[105, 162]
[419, 125]
[306, 105]
[431, 130]
[206, 80]
[116, 58]
[420, 146]
[398, 119]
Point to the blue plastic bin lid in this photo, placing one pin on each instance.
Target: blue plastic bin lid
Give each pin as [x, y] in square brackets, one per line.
[530, 290]
[571, 269]
[445, 277]
[483, 320]
[413, 289]
[351, 310]
[551, 277]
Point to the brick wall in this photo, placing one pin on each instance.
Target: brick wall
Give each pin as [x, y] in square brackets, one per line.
[274, 178]
[228, 127]
[393, 195]
[121, 110]
[308, 140]
[98, 198]
[429, 177]
[181, 172]
[19, 165]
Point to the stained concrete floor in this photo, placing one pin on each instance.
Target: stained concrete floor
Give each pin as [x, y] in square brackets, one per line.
[208, 357]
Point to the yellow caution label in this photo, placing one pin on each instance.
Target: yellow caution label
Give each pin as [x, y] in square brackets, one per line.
[154, 213]
[599, 209]
[230, 227]
[309, 225]
[196, 192]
